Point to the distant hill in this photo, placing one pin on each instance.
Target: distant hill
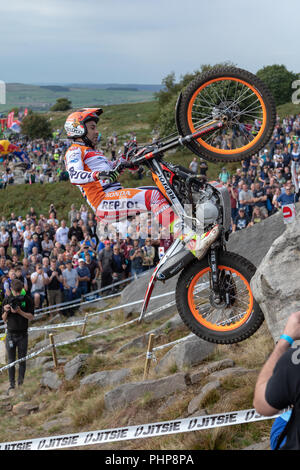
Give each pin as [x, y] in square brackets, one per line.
[58, 88]
[40, 97]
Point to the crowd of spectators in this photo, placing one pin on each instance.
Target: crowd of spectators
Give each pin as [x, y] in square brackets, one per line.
[267, 181]
[60, 260]
[41, 161]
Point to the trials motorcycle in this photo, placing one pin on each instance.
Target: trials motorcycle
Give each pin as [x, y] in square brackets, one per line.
[224, 115]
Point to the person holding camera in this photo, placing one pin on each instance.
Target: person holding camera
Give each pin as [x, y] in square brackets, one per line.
[17, 310]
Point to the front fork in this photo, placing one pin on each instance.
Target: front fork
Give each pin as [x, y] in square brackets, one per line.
[213, 263]
[220, 290]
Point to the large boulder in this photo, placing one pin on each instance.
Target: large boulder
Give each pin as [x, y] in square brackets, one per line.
[185, 355]
[106, 378]
[276, 283]
[129, 392]
[137, 289]
[75, 366]
[254, 242]
[51, 380]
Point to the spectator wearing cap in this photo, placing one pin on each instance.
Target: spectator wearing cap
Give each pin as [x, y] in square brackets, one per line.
[75, 261]
[34, 243]
[94, 271]
[224, 175]
[70, 284]
[287, 197]
[241, 221]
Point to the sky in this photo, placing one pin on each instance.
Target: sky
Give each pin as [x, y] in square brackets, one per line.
[142, 41]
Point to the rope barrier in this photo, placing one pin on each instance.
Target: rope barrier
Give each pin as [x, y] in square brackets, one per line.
[101, 332]
[141, 431]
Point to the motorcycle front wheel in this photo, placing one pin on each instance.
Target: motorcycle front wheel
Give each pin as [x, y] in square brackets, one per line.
[237, 98]
[236, 315]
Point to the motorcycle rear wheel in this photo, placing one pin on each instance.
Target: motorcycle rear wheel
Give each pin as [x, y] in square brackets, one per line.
[235, 96]
[236, 318]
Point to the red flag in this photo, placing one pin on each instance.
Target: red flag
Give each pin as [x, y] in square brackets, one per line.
[10, 119]
[3, 123]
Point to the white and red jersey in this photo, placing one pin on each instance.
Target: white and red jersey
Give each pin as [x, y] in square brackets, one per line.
[82, 163]
[110, 201]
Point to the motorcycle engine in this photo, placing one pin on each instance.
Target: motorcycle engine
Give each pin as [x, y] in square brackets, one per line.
[207, 213]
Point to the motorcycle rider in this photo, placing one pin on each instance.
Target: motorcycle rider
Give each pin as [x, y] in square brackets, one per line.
[104, 194]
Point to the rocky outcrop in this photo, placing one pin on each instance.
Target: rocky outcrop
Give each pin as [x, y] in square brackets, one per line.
[106, 378]
[187, 354]
[51, 380]
[129, 392]
[75, 366]
[276, 283]
[254, 242]
[141, 341]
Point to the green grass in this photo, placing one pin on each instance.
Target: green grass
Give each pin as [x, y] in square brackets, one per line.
[288, 109]
[41, 99]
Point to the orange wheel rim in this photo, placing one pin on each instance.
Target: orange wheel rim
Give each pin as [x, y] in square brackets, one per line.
[226, 151]
[213, 326]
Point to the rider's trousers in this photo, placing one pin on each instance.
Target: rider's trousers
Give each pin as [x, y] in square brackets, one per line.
[118, 205]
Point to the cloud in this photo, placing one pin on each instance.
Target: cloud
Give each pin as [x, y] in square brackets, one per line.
[140, 40]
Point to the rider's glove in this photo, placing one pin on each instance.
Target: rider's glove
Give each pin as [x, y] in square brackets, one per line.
[111, 176]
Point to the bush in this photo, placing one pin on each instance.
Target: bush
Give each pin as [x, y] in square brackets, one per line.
[62, 104]
[36, 126]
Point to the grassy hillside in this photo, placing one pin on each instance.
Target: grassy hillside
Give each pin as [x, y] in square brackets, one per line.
[123, 119]
[288, 109]
[41, 98]
[74, 408]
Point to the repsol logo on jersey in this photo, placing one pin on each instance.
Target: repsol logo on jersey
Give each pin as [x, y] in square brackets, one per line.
[79, 174]
[119, 205]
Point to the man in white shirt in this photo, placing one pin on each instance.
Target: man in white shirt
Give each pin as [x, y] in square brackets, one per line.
[39, 281]
[61, 235]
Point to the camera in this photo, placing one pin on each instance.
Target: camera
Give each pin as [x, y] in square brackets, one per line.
[16, 302]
